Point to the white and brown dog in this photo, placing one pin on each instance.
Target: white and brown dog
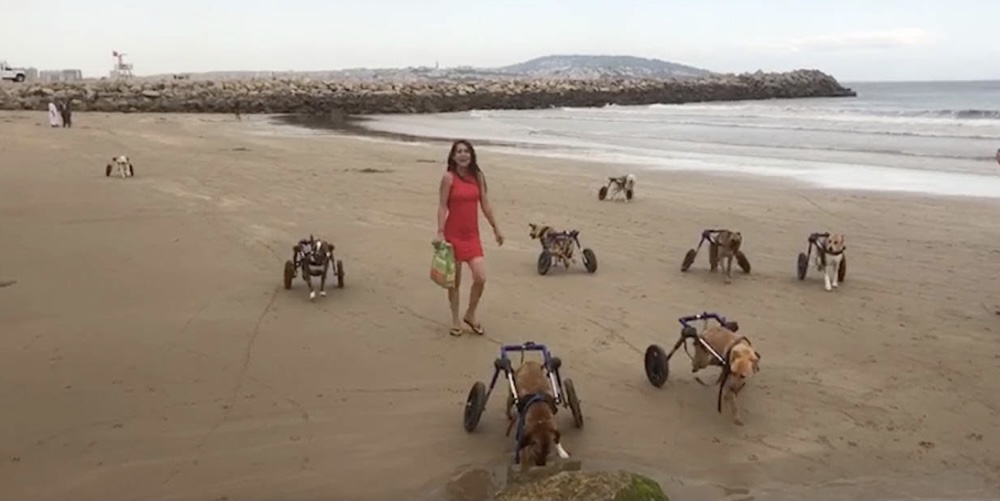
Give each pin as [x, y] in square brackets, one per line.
[535, 419]
[123, 166]
[742, 359]
[829, 259]
[622, 185]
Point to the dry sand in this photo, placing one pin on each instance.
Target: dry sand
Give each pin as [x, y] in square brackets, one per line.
[149, 351]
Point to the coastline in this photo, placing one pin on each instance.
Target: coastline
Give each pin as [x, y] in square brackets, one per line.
[938, 182]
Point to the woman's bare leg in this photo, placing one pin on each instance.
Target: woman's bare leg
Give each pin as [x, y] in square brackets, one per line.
[453, 298]
[478, 268]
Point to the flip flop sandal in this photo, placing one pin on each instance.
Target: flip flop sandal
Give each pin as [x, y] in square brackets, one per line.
[455, 331]
[478, 329]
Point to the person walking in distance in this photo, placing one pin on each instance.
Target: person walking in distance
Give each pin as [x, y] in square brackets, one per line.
[461, 194]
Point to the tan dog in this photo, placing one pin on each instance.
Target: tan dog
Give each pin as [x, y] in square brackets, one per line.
[744, 362]
[728, 244]
[560, 245]
[829, 257]
[538, 410]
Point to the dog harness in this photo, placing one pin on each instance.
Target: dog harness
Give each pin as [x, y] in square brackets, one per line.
[522, 411]
[308, 252]
[823, 252]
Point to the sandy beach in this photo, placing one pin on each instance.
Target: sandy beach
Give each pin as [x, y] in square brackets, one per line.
[150, 351]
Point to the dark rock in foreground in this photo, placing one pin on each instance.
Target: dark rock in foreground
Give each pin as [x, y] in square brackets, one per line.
[585, 486]
[364, 98]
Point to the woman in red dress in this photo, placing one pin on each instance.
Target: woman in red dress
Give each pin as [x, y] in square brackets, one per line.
[462, 192]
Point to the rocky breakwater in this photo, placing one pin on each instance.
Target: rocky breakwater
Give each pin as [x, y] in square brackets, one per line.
[380, 97]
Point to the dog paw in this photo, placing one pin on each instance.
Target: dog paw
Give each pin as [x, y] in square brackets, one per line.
[738, 422]
[322, 293]
[312, 295]
[828, 288]
[562, 452]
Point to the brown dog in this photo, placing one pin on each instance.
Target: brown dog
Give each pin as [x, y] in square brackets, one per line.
[743, 362]
[559, 244]
[728, 244]
[537, 411]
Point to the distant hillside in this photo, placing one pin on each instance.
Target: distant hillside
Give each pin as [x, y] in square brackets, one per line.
[583, 66]
[555, 66]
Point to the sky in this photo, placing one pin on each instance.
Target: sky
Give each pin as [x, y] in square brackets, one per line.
[854, 40]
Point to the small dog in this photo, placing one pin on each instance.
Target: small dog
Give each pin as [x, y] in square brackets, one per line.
[537, 412]
[313, 258]
[831, 253]
[728, 244]
[743, 362]
[622, 185]
[559, 244]
[123, 166]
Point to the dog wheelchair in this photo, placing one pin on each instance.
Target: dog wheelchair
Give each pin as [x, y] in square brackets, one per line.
[818, 241]
[619, 183]
[547, 256]
[562, 389]
[711, 236]
[305, 258]
[658, 361]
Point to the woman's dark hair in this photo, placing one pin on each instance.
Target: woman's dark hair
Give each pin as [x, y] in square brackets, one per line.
[473, 164]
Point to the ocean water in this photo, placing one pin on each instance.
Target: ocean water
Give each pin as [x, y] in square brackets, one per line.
[924, 137]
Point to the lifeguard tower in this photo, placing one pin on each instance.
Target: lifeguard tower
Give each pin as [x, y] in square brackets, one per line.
[121, 69]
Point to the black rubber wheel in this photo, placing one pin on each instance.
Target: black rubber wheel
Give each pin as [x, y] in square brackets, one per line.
[554, 364]
[657, 368]
[340, 274]
[689, 332]
[803, 265]
[544, 262]
[574, 402]
[602, 193]
[19, 78]
[107, 171]
[289, 274]
[732, 325]
[741, 259]
[589, 260]
[474, 406]
[842, 269]
[689, 259]
[628, 194]
[713, 256]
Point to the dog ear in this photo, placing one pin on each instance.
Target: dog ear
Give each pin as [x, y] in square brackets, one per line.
[525, 441]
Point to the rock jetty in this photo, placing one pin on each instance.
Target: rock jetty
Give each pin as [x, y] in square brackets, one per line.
[387, 97]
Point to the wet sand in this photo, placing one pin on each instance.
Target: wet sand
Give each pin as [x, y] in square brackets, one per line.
[150, 351]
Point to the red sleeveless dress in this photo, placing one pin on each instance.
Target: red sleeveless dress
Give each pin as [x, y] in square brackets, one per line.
[461, 228]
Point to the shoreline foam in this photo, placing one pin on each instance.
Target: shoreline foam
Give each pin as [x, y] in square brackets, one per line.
[832, 175]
